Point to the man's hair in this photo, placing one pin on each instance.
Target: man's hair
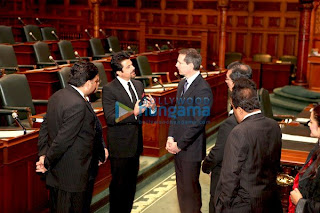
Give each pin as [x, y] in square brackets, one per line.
[239, 70]
[244, 95]
[192, 56]
[81, 72]
[116, 61]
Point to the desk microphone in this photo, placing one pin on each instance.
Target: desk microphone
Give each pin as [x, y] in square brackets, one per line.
[177, 75]
[33, 37]
[15, 117]
[54, 61]
[19, 18]
[157, 46]
[168, 42]
[103, 33]
[78, 56]
[155, 80]
[38, 20]
[90, 36]
[215, 66]
[111, 50]
[55, 35]
[206, 71]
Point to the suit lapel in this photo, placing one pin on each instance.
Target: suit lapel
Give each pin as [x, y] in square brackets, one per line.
[126, 99]
[180, 87]
[192, 86]
[138, 89]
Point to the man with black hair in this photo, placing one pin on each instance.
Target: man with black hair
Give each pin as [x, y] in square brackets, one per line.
[213, 161]
[251, 157]
[124, 135]
[70, 142]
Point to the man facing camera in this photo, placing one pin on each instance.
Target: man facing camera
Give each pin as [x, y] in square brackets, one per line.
[251, 157]
[70, 142]
[125, 132]
[187, 139]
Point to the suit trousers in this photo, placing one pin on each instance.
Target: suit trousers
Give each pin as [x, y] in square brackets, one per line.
[188, 186]
[123, 184]
[67, 202]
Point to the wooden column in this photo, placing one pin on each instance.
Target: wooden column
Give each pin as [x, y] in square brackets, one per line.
[95, 11]
[223, 7]
[142, 37]
[303, 46]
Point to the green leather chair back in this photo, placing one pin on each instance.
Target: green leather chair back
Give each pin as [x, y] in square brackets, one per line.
[143, 65]
[113, 43]
[42, 51]
[6, 35]
[64, 75]
[289, 58]
[265, 103]
[264, 58]
[96, 47]
[35, 31]
[102, 74]
[47, 33]
[66, 50]
[7, 56]
[15, 92]
[231, 57]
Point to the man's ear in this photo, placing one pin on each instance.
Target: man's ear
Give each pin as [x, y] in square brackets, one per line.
[118, 72]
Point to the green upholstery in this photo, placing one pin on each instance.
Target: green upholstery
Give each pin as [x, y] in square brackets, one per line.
[64, 75]
[289, 58]
[42, 52]
[301, 92]
[15, 95]
[8, 60]
[102, 74]
[265, 103]
[66, 50]
[35, 31]
[264, 58]
[97, 49]
[47, 34]
[278, 91]
[113, 43]
[6, 35]
[231, 57]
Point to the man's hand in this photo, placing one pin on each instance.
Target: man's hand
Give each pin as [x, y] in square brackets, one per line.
[139, 109]
[106, 153]
[295, 196]
[151, 102]
[40, 165]
[172, 146]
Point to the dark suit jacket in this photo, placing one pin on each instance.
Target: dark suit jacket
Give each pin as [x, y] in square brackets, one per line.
[124, 138]
[213, 162]
[251, 162]
[187, 125]
[68, 140]
[310, 189]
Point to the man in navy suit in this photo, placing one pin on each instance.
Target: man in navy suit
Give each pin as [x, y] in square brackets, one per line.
[70, 142]
[187, 139]
[124, 135]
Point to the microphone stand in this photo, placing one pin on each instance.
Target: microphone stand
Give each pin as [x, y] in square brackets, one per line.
[155, 80]
[15, 116]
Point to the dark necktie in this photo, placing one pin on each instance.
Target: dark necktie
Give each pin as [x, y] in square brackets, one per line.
[185, 87]
[133, 96]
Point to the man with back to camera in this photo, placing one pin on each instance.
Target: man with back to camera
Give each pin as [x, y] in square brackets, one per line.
[124, 136]
[213, 162]
[70, 142]
[186, 137]
[251, 157]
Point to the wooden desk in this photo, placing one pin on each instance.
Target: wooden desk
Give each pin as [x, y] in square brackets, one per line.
[25, 53]
[313, 74]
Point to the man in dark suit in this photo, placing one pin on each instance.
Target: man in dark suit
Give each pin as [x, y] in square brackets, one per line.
[124, 132]
[70, 142]
[187, 139]
[213, 162]
[251, 157]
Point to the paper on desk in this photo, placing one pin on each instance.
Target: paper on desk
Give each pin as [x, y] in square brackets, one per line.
[149, 90]
[302, 120]
[12, 133]
[299, 138]
[166, 85]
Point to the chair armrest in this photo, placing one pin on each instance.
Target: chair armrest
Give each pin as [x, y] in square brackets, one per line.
[145, 77]
[163, 73]
[283, 117]
[38, 101]
[23, 109]
[62, 61]
[87, 58]
[6, 111]
[45, 64]
[27, 66]
[10, 68]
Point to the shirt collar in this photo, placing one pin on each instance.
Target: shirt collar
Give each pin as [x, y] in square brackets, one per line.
[80, 92]
[252, 113]
[123, 82]
[192, 78]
